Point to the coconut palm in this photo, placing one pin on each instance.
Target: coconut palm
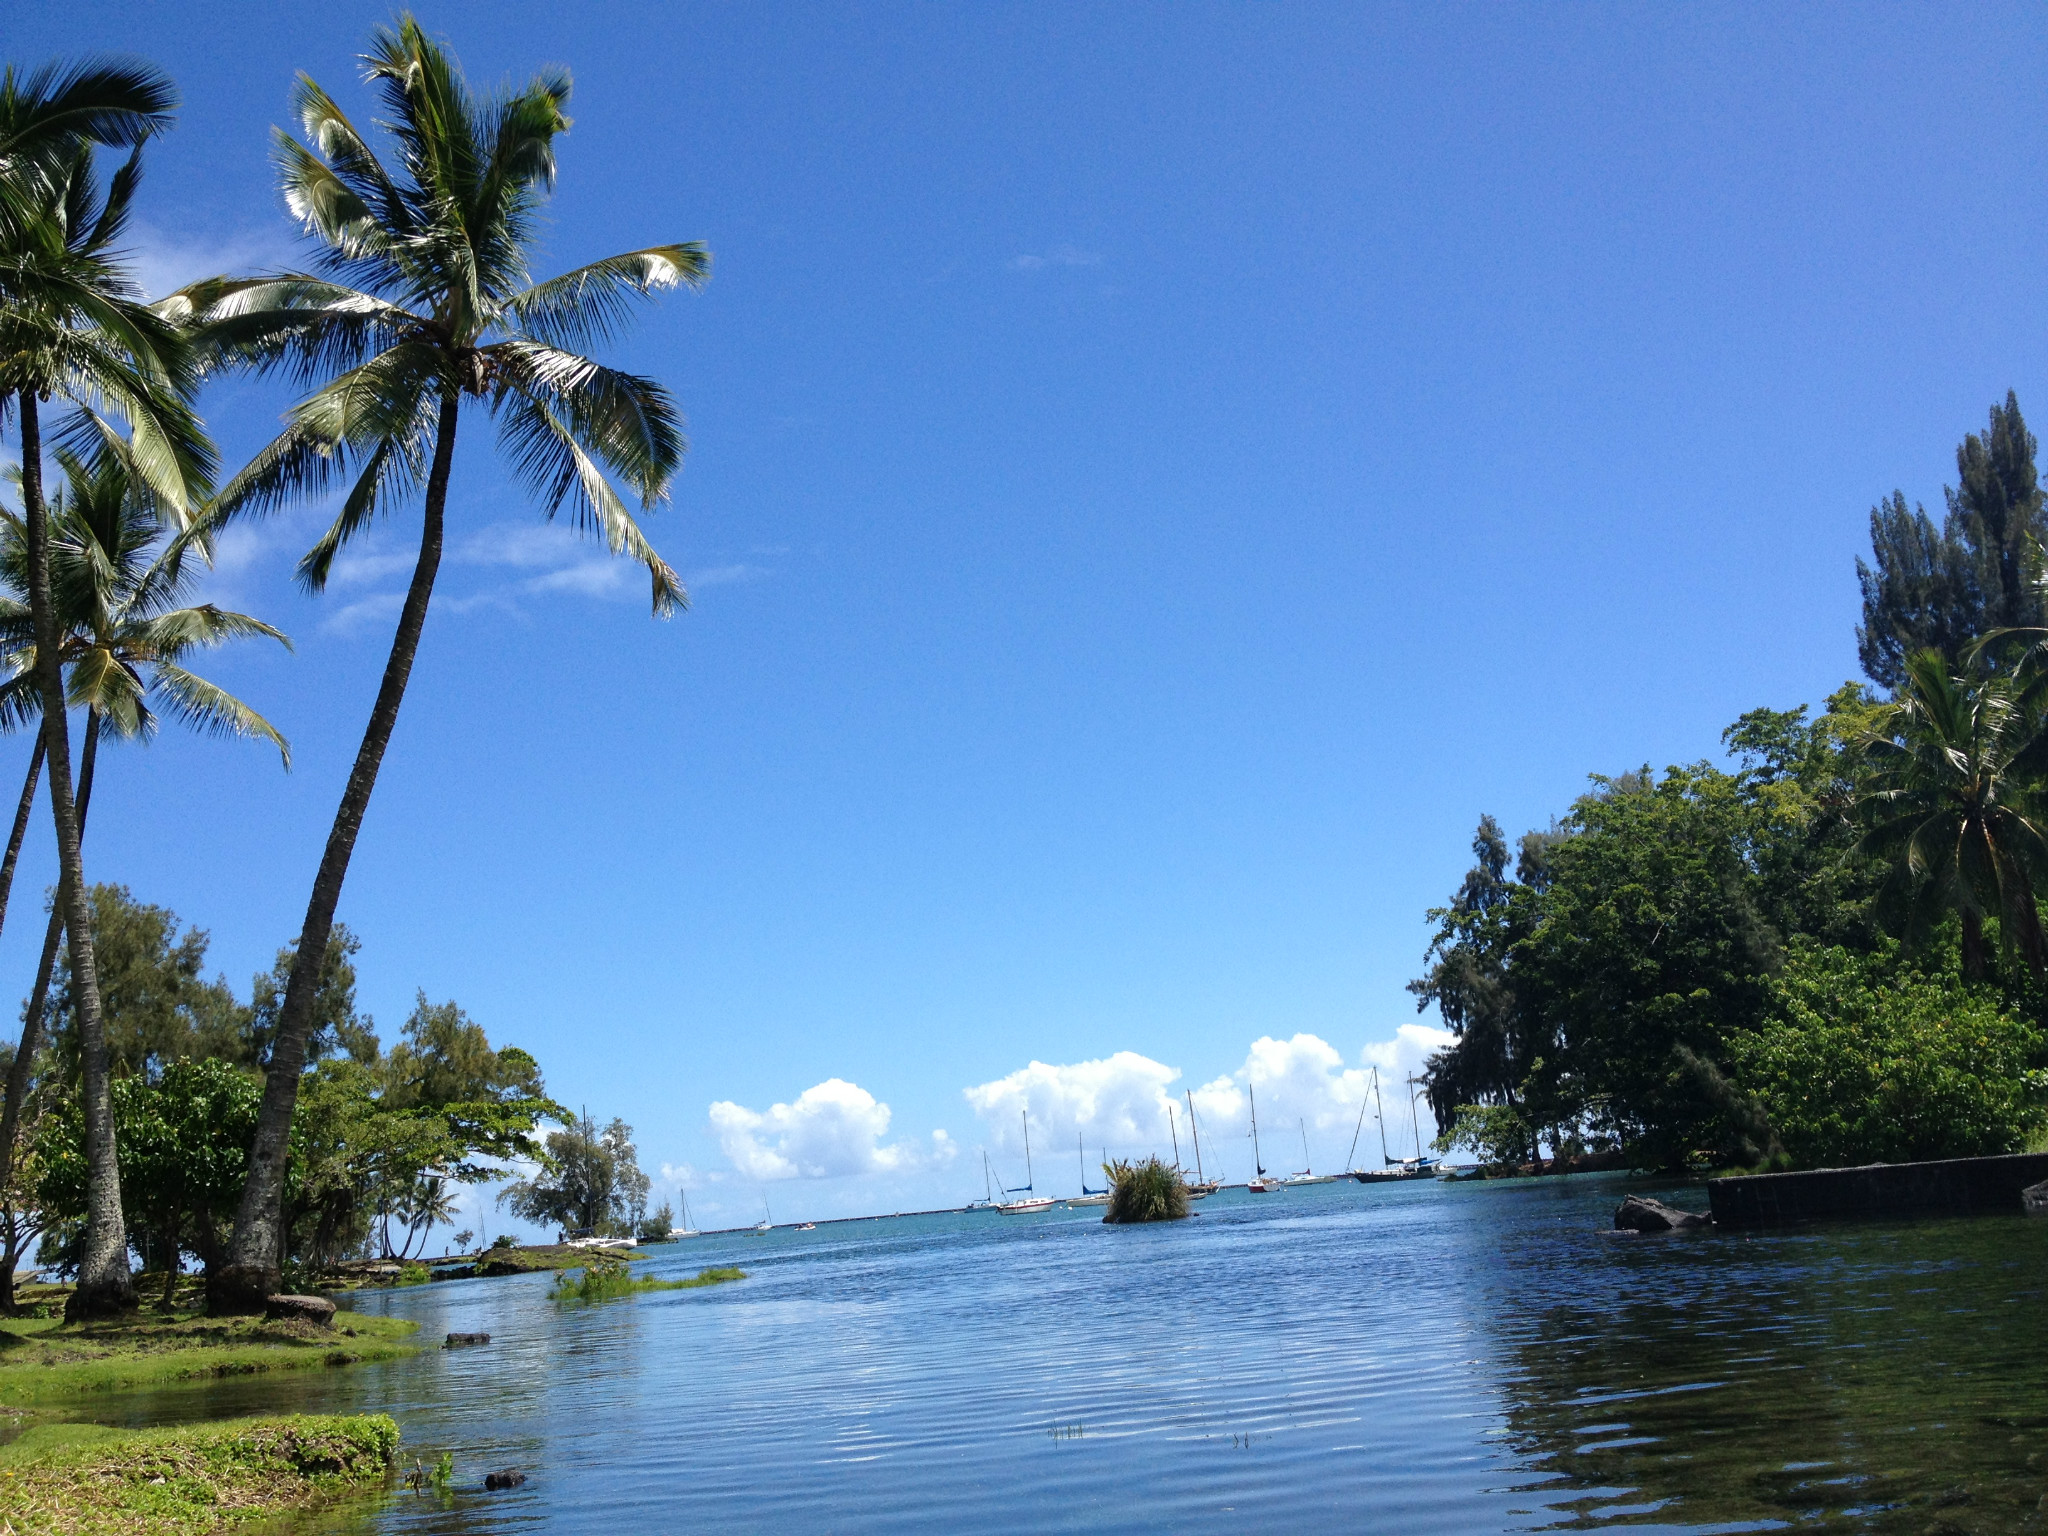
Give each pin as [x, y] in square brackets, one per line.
[47, 113]
[117, 583]
[425, 305]
[74, 328]
[1950, 804]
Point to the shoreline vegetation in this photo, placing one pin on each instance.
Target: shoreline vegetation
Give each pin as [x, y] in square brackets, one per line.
[191, 1479]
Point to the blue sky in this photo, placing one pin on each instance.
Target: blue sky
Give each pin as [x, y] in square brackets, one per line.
[1158, 474]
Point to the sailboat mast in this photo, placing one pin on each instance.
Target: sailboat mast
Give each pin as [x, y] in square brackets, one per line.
[1414, 1119]
[1258, 1161]
[1305, 1168]
[1379, 1113]
[1351, 1157]
[1175, 1134]
[1027, 1148]
[1197, 1129]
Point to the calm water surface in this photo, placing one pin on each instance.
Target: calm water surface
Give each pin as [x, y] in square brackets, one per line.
[1420, 1358]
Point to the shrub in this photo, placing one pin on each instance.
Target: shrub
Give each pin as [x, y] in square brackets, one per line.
[1863, 1059]
[1497, 1132]
[1147, 1191]
[504, 1240]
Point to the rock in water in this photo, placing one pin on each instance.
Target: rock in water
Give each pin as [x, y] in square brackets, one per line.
[511, 1477]
[317, 1310]
[462, 1340]
[1640, 1215]
[2035, 1198]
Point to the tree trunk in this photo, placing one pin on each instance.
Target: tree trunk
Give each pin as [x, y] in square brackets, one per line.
[1973, 946]
[104, 1283]
[21, 816]
[254, 1267]
[39, 999]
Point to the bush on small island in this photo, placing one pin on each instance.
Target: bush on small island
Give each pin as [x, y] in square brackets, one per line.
[606, 1278]
[1147, 1191]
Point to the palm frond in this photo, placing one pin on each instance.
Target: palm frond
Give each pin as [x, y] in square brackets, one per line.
[212, 710]
[593, 302]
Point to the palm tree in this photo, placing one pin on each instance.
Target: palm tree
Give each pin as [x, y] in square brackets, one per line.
[73, 327]
[46, 114]
[1950, 804]
[116, 582]
[425, 304]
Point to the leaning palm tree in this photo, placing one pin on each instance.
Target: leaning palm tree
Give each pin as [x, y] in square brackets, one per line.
[425, 305]
[1950, 805]
[118, 586]
[74, 328]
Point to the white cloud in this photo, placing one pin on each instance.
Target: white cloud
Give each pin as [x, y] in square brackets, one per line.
[1058, 256]
[831, 1130]
[163, 263]
[1118, 1101]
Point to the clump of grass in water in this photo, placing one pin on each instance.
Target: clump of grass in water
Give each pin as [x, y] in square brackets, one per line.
[606, 1278]
[1147, 1191]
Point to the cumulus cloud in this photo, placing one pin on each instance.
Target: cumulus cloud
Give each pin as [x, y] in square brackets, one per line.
[1117, 1101]
[831, 1130]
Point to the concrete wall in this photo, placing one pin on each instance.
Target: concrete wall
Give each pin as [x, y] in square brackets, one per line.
[1953, 1187]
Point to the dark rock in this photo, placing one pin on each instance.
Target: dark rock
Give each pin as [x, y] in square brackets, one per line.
[317, 1310]
[463, 1340]
[511, 1477]
[454, 1272]
[1640, 1215]
[2034, 1199]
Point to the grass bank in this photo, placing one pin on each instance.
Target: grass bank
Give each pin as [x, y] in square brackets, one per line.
[604, 1282]
[91, 1480]
[44, 1360]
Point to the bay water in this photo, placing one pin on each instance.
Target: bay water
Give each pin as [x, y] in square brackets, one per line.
[1422, 1357]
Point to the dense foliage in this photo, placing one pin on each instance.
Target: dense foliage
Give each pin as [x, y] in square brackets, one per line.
[1830, 949]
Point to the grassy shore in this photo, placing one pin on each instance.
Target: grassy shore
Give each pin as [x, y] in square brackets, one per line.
[43, 1360]
[91, 1480]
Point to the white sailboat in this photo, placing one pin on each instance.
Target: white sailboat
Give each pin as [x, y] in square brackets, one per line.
[685, 1230]
[987, 1202]
[767, 1221]
[1204, 1186]
[1032, 1204]
[1260, 1183]
[1308, 1175]
[1088, 1196]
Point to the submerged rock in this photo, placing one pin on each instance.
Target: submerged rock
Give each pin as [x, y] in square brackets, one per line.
[317, 1310]
[464, 1340]
[2034, 1198]
[1638, 1214]
[511, 1477]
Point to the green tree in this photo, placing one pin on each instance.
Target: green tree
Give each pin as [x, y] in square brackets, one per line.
[589, 1181]
[184, 1145]
[1864, 1058]
[1950, 805]
[1927, 588]
[118, 581]
[74, 328]
[426, 303]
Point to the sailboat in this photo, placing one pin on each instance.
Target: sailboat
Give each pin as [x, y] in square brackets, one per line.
[1031, 1204]
[685, 1230]
[1203, 1187]
[1088, 1196]
[1260, 1183]
[1308, 1175]
[988, 1200]
[767, 1221]
[1395, 1169]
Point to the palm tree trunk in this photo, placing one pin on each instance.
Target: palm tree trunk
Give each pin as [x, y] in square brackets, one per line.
[23, 1065]
[1973, 946]
[104, 1285]
[21, 816]
[254, 1267]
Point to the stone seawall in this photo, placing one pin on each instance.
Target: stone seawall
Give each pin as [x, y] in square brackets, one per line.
[1954, 1187]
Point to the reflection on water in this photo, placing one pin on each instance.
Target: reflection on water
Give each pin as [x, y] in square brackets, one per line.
[1425, 1359]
